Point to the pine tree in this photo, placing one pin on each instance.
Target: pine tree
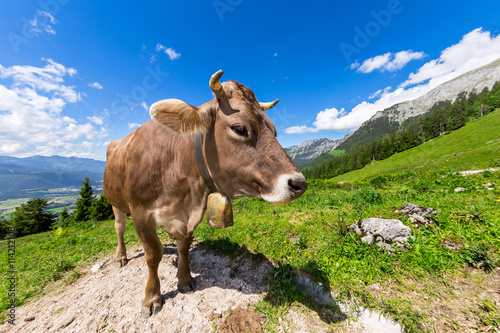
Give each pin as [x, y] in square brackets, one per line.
[64, 220]
[494, 98]
[102, 209]
[83, 210]
[32, 217]
[4, 227]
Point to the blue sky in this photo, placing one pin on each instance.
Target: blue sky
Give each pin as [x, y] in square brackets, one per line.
[76, 75]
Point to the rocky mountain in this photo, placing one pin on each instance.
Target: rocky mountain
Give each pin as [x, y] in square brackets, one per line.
[391, 119]
[305, 152]
[475, 80]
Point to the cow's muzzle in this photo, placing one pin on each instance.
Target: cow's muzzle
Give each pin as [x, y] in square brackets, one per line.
[286, 188]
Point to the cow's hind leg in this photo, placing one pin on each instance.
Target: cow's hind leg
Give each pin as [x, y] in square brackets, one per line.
[120, 226]
[153, 251]
[185, 283]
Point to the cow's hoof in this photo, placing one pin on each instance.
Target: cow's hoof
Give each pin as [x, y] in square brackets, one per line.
[121, 262]
[153, 309]
[187, 286]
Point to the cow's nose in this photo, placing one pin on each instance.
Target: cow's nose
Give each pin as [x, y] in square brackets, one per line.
[298, 185]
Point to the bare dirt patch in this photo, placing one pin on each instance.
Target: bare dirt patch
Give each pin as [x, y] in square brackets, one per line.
[242, 320]
[107, 298]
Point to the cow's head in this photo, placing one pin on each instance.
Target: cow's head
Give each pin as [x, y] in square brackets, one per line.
[242, 153]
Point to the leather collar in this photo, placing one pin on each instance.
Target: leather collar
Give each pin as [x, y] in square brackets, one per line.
[200, 162]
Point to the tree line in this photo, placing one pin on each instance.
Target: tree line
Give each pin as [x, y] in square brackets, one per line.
[442, 119]
[33, 217]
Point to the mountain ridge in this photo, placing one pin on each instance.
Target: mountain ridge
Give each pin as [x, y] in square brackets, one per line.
[57, 163]
[306, 151]
[474, 80]
[392, 118]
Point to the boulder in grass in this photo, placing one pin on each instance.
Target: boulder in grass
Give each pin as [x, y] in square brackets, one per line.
[419, 216]
[383, 232]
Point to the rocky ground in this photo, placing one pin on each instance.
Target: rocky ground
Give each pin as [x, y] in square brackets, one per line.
[107, 299]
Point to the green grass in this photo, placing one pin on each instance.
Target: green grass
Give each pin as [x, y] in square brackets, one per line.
[337, 152]
[471, 147]
[309, 234]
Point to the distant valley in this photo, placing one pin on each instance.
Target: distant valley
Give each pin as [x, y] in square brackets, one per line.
[50, 177]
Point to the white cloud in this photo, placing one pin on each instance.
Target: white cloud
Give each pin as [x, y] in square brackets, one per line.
[402, 58]
[375, 94]
[379, 92]
[87, 145]
[387, 62]
[476, 49]
[133, 125]
[172, 54]
[32, 100]
[47, 79]
[329, 120]
[144, 106]
[95, 85]
[275, 55]
[42, 22]
[371, 64]
[299, 130]
[96, 120]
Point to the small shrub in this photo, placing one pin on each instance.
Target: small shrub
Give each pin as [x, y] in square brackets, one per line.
[479, 255]
[368, 195]
[487, 173]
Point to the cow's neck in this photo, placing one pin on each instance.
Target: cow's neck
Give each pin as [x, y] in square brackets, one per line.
[201, 163]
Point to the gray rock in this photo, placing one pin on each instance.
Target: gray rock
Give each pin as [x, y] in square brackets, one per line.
[419, 216]
[460, 189]
[385, 233]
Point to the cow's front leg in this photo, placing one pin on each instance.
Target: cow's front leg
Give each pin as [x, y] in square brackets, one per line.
[153, 250]
[185, 283]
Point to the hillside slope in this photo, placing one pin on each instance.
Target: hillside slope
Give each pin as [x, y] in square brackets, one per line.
[475, 146]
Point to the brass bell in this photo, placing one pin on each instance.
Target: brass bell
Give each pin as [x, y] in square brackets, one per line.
[219, 211]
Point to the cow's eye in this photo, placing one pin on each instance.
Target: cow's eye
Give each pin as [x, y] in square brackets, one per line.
[241, 130]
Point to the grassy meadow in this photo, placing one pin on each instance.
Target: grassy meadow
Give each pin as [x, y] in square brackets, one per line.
[310, 235]
[475, 146]
[442, 283]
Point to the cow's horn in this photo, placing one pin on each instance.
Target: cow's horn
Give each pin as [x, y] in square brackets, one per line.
[269, 105]
[215, 84]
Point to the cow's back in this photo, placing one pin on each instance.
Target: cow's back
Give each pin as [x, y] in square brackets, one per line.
[141, 166]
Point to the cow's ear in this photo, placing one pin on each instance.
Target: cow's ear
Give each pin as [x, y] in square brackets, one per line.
[181, 117]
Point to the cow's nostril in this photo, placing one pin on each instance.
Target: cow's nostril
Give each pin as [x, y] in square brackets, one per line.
[297, 185]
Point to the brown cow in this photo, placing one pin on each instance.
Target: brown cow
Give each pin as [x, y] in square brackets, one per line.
[152, 173]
